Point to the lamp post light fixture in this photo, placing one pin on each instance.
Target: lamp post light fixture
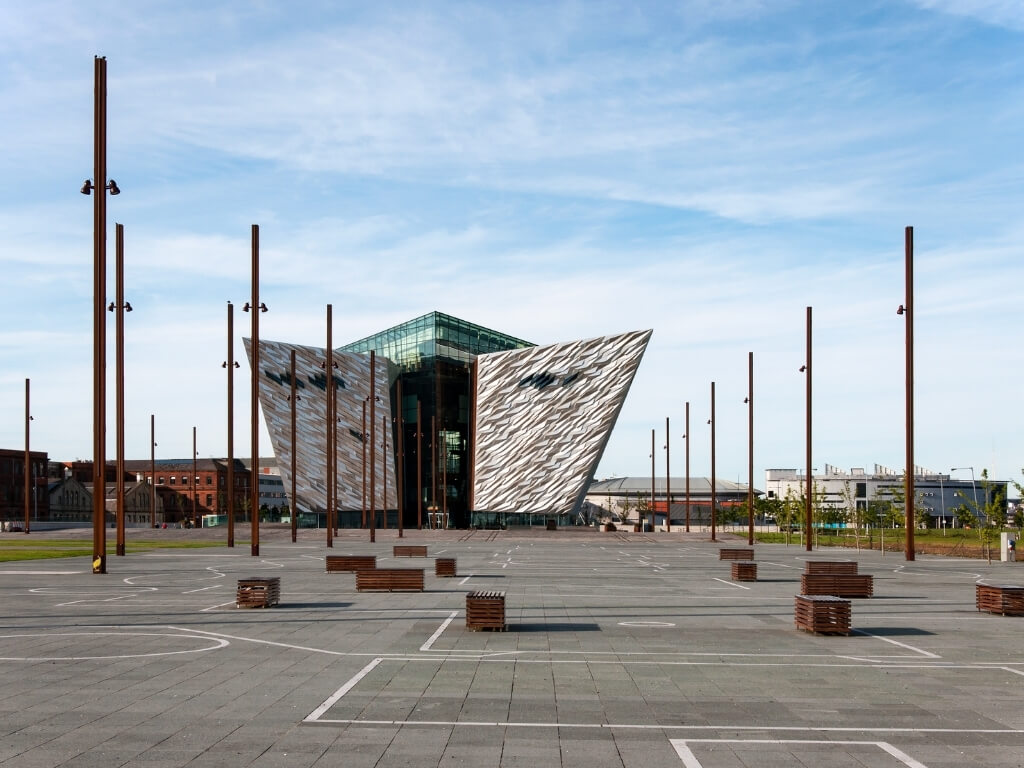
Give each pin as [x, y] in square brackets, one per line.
[119, 306]
[906, 310]
[256, 308]
[668, 480]
[686, 437]
[152, 470]
[808, 515]
[101, 187]
[711, 421]
[28, 458]
[749, 400]
[230, 365]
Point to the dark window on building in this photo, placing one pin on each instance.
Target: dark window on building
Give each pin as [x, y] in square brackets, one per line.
[862, 491]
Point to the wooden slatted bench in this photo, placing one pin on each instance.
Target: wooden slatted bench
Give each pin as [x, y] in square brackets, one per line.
[744, 570]
[444, 566]
[410, 550]
[837, 584]
[741, 553]
[1004, 599]
[822, 614]
[258, 592]
[485, 610]
[389, 580]
[336, 563]
[830, 567]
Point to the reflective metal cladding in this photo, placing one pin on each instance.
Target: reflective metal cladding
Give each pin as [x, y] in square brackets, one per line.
[543, 418]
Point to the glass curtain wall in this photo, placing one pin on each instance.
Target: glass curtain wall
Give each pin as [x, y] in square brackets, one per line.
[432, 355]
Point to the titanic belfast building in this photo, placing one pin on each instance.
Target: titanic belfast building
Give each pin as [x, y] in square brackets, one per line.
[445, 422]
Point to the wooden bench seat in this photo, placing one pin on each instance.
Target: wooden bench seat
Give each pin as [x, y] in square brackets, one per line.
[1004, 599]
[389, 580]
[826, 615]
[744, 570]
[837, 584]
[409, 550]
[336, 563]
[736, 553]
[485, 610]
[444, 566]
[830, 567]
[258, 592]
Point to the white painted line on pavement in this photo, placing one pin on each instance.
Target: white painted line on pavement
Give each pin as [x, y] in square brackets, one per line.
[730, 583]
[926, 654]
[313, 716]
[437, 634]
[690, 760]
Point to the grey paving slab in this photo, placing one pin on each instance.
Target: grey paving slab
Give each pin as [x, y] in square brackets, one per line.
[617, 644]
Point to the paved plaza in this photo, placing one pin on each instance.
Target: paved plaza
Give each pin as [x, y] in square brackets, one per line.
[622, 649]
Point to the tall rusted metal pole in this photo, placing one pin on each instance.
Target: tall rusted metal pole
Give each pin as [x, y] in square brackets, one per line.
[254, 415]
[668, 479]
[362, 438]
[119, 307]
[294, 396]
[373, 449]
[28, 459]
[713, 483]
[328, 448]
[419, 466]
[808, 505]
[686, 436]
[653, 516]
[195, 482]
[99, 481]
[384, 460]
[909, 316]
[750, 449]
[433, 472]
[400, 474]
[152, 470]
[230, 364]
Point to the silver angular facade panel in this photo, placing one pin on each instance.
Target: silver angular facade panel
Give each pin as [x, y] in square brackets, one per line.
[543, 419]
[352, 380]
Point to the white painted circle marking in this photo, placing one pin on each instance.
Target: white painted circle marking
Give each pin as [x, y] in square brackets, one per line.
[646, 624]
[217, 643]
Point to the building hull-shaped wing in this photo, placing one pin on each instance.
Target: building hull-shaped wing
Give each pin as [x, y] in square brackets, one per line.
[352, 384]
[543, 417]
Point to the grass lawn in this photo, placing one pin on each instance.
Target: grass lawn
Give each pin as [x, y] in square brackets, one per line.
[955, 542]
[20, 549]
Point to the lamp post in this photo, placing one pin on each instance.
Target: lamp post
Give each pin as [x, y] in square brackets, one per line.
[257, 307]
[119, 306]
[686, 437]
[373, 452]
[330, 427]
[653, 518]
[806, 369]
[400, 474]
[973, 486]
[907, 311]
[942, 505]
[195, 481]
[749, 400]
[293, 398]
[28, 458]
[100, 186]
[419, 466]
[384, 466]
[668, 481]
[152, 470]
[362, 439]
[230, 364]
[711, 421]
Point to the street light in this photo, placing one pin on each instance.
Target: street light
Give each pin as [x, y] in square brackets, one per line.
[906, 309]
[256, 308]
[230, 364]
[686, 438]
[711, 421]
[668, 481]
[120, 306]
[28, 459]
[749, 400]
[806, 369]
[975, 487]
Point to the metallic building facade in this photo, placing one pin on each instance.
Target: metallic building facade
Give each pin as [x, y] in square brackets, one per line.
[525, 439]
[543, 419]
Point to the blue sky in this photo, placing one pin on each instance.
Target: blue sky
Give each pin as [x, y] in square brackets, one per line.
[555, 171]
